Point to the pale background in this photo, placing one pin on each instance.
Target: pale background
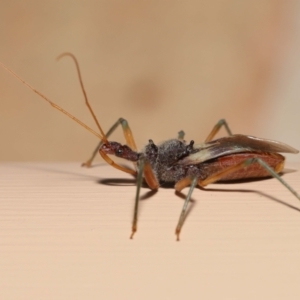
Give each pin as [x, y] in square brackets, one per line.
[64, 235]
[163, 65]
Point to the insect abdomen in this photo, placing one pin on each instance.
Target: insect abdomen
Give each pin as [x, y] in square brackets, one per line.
[274, 160]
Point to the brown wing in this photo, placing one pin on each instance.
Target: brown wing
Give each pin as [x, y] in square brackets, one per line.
[234, 144]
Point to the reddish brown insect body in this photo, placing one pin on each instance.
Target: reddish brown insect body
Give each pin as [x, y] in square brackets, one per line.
[174, 160]
[185, 164]
[274, 160]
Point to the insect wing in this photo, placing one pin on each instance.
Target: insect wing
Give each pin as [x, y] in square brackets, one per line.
[234, 144]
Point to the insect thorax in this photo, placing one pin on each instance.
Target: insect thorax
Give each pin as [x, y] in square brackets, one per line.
[164, 156]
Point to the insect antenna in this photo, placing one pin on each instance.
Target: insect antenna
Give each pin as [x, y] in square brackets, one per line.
[56, 106]
[83, 91]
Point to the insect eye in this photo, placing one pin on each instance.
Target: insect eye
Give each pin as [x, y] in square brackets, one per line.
[119, 152]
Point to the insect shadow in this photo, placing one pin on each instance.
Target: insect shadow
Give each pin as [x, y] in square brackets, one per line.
[193, 202]
[262, 194]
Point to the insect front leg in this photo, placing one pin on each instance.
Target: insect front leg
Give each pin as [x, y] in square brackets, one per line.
[216, 129]
[127, 134]
[246, 163]
[179, 186]
[145, 169]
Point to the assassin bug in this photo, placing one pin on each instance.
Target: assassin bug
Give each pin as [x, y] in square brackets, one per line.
[185, 164]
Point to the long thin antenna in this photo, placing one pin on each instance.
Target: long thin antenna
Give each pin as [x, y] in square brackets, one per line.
[83, 91]
[53, 104]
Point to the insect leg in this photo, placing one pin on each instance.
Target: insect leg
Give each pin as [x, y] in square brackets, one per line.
[183, 183]
[246, 163]
[275, 175]
[115, 165]
[146, 169]
[127, 134]
[181, 134]
[216, 129]
[137, 196]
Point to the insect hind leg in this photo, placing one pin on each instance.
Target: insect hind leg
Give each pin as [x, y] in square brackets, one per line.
[127, 134]
[246, 163]
[217, 128]
[275, 175]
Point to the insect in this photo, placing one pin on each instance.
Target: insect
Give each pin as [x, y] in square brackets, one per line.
[184, 163]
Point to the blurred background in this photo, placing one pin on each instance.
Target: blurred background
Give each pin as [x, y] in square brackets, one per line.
[162, 65]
